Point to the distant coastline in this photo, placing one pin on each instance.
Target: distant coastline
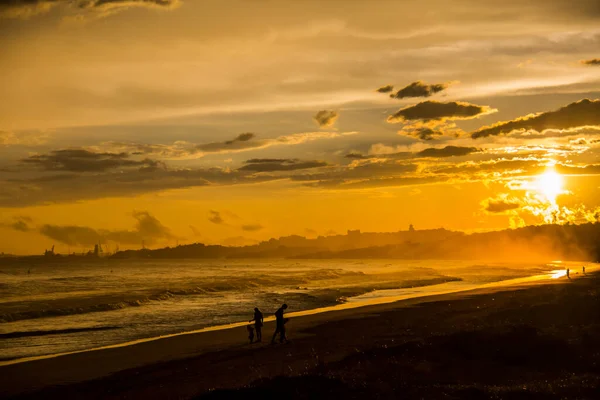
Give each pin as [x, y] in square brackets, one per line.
[543, 242]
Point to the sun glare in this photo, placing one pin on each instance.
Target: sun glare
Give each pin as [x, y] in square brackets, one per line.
[550, 184]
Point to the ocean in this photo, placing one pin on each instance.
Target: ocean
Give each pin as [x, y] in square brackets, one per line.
[51, 308]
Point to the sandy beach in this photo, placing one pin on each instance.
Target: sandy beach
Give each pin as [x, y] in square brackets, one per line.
[531, 339]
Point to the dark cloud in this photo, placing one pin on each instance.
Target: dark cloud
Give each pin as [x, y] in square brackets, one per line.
[419, 89]
[501, 204]
[385, 89]
[349, 174]
[326, 118]
[581, 113]
[425, 133]
[267, 160]
[448, 151]
[434, 110]
[215, 217]
[431, 152]
[356, 156]
[147, 229]
[19, 223]
[275, 164]
[60, 188]
[252, 227]
[27, 8]
[592, 62]
[80, 160]
[72, 235]
[241, 141]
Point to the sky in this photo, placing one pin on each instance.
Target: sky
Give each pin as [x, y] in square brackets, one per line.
[165, 122]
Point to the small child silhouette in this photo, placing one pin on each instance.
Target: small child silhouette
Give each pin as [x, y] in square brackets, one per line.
[250, 333]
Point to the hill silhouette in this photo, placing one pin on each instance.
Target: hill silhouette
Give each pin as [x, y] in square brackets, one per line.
[542, 242]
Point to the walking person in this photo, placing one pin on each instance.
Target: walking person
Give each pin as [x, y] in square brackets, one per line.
[280, 325]
[258, 324]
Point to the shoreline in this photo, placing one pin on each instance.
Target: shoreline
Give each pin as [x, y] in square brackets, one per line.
[351, 303]
[103, 363]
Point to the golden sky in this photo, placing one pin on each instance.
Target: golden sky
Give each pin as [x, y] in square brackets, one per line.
[234, 121]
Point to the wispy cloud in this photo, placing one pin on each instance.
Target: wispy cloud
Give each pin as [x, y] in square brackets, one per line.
[29, 8]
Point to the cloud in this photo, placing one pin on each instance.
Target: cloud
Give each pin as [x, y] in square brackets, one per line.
[147, 229]
[434, 110]
[379, 151]
[575, 115]
[276, 164]
[216, 218]
[241, 143]
[326, 118]
[355, 155]
[29, 8]
[592, 62]
[80, 160]
[23, 138]
[70, 187]
[501, 204]
[366, 173]
[19, 223]
[385, 89]
[448, 151]
[419, 89]
[424, 133]
[252, 227]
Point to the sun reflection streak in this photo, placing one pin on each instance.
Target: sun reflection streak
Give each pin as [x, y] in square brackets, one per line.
[558, 273]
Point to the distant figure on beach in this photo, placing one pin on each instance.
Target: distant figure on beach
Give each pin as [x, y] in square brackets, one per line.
[250, 333]
[568, 273]
[258, 323]
[280, 325]
[583, 269]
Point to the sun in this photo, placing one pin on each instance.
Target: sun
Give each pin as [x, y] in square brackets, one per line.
[550, 185]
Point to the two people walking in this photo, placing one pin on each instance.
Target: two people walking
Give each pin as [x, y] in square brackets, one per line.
[280, 322]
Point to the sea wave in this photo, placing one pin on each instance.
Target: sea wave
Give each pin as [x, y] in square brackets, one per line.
[13, 335]
[209, 286]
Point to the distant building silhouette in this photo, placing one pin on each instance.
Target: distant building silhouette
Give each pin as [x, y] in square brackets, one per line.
[49, 253]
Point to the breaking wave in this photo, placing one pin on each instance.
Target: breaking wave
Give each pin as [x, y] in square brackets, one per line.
[310, 297]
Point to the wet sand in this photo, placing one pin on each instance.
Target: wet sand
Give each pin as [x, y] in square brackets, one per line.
[540, 339]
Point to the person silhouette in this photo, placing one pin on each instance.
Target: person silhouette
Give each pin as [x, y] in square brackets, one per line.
[583, 269]
[568, 273]
[250, 333]
[280, 324]
[258, 323]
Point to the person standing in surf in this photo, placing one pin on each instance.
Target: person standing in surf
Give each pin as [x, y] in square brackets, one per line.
[280, 325]
[258, 323]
